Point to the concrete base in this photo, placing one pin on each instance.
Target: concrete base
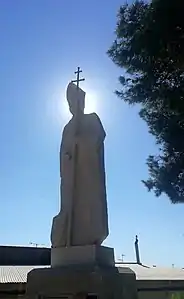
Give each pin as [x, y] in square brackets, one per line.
[70, 282]
[82, 255]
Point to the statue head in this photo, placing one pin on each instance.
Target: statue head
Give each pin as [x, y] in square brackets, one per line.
[76, 99]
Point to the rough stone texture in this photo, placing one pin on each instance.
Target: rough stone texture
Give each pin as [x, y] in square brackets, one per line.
[80, 255]
[83, 218]
[106, 282]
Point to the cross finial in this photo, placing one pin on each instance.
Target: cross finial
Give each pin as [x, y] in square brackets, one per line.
[78, 77]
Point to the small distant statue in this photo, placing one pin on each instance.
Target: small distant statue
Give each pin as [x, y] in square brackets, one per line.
[82, 219]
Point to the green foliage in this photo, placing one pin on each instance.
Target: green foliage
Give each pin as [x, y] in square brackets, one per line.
[177, 295]
[149, 45]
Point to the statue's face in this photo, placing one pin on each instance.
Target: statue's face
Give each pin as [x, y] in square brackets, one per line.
[76, 107]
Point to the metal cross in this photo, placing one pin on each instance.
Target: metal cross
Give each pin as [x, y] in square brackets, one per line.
[78, 78]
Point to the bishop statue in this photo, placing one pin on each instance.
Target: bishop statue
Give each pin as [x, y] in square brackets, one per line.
[82, 219]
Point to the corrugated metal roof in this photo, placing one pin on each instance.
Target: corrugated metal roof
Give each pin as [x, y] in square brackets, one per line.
[155, 273]
[18, 274]
[15, 274]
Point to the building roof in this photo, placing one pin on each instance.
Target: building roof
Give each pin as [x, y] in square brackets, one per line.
[155, 273]
[18, 274]
[15, 274]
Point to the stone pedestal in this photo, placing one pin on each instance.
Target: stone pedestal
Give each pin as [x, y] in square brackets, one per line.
[67, 282]
[82, 255]
[97, 277]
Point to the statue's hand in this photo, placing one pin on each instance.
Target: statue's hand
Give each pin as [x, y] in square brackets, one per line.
[68, 155]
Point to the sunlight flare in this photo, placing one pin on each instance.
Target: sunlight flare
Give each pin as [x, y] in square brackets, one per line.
[91, 104]
[59, 110]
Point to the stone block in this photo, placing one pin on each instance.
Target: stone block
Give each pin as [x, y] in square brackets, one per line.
[66, 282]
[75, 255]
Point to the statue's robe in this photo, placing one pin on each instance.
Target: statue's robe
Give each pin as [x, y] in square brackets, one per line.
[83, 191]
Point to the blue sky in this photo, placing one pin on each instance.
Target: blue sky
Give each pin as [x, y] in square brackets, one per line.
[42, 43]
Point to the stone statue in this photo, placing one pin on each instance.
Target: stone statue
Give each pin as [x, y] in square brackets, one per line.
[82, 219]
[80, 267]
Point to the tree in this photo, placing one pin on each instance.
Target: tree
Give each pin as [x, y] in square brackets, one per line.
[149, 45]
[177, 295]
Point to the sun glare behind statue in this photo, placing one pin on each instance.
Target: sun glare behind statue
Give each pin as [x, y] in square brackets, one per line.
[90, 105]
[90, 102]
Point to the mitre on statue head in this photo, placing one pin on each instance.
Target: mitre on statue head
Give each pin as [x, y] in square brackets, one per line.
[75, 95]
